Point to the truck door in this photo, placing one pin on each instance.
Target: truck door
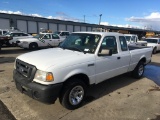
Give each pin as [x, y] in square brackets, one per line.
[109, 66]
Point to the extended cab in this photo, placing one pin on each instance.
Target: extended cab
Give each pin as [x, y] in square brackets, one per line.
[40, 41]
[83, 59]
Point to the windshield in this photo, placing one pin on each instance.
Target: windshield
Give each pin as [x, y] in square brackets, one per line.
[82, 42]
[39, 36]
[7, 33]
[4, 32]
[128, 38]
[151, 40]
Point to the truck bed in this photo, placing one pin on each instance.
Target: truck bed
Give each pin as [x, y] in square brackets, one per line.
[131, 47]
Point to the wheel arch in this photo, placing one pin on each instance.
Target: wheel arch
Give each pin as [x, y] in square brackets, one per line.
[143, 59]
[33, 43]
[81, 76]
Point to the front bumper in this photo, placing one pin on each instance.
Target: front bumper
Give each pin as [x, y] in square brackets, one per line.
[44, 93]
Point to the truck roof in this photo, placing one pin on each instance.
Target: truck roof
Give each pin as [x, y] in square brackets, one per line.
[102, 33]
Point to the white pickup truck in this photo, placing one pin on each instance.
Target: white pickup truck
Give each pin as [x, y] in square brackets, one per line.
[40, 41]
[83, 59]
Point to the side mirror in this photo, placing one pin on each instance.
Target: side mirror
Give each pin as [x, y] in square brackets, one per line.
[105, 52]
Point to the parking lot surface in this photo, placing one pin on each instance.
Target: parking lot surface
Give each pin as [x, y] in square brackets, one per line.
[119, 98]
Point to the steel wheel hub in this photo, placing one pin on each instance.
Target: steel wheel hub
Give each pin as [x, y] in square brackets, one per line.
[76, 95]
[141, 69]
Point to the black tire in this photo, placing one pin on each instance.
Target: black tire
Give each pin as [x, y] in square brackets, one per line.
[78, 89]
[154, 50]
[139, 70]
[33, 46]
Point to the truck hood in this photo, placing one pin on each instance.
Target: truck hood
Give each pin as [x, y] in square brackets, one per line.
[44, 59]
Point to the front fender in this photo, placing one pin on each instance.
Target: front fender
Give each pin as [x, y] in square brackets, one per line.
[74, 72]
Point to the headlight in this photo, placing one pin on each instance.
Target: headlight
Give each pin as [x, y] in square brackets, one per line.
[44, 76]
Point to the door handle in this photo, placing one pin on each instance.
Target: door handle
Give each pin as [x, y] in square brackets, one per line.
[118, 58]
[50, 40]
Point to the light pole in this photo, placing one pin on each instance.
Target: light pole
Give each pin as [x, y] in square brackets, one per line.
[100, 18]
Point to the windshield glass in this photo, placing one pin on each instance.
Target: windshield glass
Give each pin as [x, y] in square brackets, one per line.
[39, 36]
[128, 38]
[7, 33]
[82, 42]
[151, 40]
[4, 32]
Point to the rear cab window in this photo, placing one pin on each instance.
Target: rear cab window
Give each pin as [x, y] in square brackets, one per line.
[123, 43]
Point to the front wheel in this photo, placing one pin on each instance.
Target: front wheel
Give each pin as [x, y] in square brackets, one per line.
[139, 70]
[154, 50]
[33, 46]
[73, 94]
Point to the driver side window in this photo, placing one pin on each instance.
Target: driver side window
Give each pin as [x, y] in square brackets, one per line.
[109, 43]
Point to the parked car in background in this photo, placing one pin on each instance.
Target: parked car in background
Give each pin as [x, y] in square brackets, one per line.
[16, 35]
[4, 40]
[40, 41]
[63, 34]
[154, 43]
[133, 40]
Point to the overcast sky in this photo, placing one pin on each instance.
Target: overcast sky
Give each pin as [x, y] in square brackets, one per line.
[124, 13]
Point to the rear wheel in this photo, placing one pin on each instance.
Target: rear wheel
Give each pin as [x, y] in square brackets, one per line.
[33, 46]
[73, 94]
[139, 70]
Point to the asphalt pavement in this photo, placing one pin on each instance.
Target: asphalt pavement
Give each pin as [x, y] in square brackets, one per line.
[5, 114]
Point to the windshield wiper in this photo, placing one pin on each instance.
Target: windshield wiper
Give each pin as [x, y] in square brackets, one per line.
[77, 49]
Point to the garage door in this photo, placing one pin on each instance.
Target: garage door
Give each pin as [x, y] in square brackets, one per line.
[42, 26]
[53, 27]
[62, 27]
[70, 28]
[89, 29]
[32, 27]
[22, 25]
[83, 28]
[4, 23]
[76, 28]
